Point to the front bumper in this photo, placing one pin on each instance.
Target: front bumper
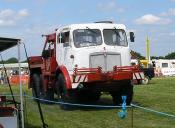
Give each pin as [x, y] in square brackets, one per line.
[97, 75]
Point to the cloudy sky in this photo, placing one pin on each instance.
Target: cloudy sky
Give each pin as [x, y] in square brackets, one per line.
[29, 19]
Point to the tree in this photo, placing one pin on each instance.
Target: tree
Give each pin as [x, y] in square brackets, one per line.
[10, 60]
[136, 55]
[170, 56]
[157, 57]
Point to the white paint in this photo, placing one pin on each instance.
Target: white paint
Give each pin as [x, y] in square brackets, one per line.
[138, 75]
[82, 55]
[168, 71]
[74, 85]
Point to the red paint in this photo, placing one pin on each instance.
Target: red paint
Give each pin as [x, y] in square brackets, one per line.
[96, 74]
[66, 76]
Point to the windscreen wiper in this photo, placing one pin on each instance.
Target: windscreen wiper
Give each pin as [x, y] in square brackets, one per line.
[91, 30]
[116, 31]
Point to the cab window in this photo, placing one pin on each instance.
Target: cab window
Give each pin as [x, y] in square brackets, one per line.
[115, 37]
[87, 37]
[64, 38]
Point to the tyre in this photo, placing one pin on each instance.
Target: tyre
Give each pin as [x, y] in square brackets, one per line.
[61, 87]
[146, 80]
[37, 89]
[129, 93]
[63, 94]
[116, 97]
[125, 90]
[49, 95]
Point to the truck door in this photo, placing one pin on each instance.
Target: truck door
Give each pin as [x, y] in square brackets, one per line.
[49, 60]
[64, 50]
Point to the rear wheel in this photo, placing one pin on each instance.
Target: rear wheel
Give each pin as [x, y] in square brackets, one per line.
[37, 89]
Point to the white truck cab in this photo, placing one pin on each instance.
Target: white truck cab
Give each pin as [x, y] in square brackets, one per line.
[93, 45]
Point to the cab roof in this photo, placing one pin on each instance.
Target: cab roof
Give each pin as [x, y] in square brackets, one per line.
[93, 26]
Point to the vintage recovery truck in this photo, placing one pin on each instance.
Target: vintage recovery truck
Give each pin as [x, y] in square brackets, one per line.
[80, 61]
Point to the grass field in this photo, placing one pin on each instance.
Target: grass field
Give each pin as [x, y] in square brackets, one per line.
[158, 95]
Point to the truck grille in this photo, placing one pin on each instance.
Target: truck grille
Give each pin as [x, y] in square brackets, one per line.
[105, 60]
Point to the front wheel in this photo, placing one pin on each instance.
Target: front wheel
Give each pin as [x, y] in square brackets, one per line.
[63, 94]
[125, 90]
[61, 87]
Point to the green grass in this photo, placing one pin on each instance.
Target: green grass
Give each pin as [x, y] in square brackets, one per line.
[158, 95]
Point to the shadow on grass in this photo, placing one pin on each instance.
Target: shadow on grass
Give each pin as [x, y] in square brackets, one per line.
[93, 106]
[136, 103]
[102, 104]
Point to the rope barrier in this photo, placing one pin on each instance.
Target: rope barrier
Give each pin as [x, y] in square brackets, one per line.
[97, 106]
[154, 111]
[78, 105]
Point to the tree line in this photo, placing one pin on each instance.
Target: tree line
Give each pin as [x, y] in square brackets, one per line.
[11, 60]
[136, 55]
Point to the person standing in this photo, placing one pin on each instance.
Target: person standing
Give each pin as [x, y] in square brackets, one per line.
[1, 76]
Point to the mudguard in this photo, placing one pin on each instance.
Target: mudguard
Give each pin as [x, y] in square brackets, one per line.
[62, 69]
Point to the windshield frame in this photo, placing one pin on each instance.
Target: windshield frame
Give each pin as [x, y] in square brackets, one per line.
[117, 44]
[96, 31]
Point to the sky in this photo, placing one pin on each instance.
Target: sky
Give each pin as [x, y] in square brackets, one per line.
[29, 19]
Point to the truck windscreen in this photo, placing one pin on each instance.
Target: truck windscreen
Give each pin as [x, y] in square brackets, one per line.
[87, 37]
[115, 37]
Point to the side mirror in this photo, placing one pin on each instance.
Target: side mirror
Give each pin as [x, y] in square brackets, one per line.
[132, 37]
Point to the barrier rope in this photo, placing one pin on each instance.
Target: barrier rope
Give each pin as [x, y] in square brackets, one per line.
[65, 103]
[74, 104]
[154, 111]
[97, 106]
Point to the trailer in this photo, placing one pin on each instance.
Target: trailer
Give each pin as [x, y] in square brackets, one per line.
[164, 67]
